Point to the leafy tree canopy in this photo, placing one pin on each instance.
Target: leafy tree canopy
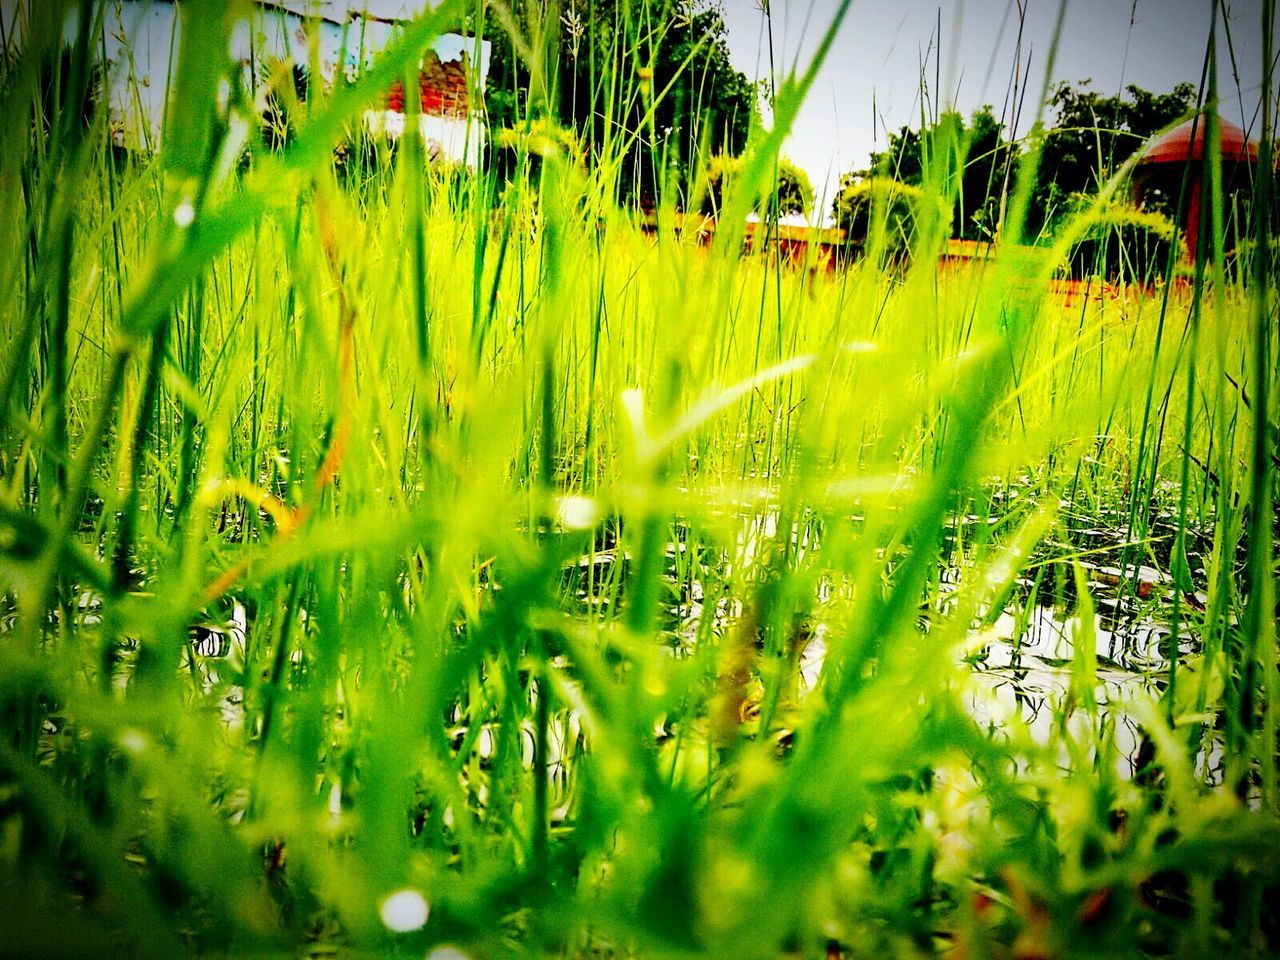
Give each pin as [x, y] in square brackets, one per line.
[794, 190]
[1093, 135]
[792, 193]
[971, 161]
[646, 84]
[880, 214]
[1122, 240]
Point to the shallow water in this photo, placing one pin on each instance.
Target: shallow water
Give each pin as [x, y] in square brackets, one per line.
[1018, 666]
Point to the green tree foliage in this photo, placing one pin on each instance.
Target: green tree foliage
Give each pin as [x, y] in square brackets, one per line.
[1124, 241]
[792, 194]
[988, 172]
[794, 190]
[717, 181]
[646, 84]
[1092, 136]
[878, 213]
[970, 161]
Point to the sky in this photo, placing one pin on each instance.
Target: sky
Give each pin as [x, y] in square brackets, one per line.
[871, 79]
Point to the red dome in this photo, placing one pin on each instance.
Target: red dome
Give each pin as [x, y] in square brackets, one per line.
[1176, 146]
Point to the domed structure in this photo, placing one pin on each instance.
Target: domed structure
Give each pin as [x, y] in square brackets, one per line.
[1167, 159]
[1187, 144]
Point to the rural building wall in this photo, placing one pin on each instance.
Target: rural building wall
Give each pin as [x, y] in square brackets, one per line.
[141, 39]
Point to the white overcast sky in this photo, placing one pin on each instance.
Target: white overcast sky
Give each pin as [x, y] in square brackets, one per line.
[873, 69]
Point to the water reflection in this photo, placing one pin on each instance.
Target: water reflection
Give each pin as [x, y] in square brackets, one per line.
[1021, 675]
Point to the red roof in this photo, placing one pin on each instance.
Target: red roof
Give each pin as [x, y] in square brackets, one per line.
[1177, 146]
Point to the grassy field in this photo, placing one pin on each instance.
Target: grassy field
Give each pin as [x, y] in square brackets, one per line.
[433, 565]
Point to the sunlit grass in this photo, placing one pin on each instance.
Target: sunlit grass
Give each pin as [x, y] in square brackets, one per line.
[443, 561]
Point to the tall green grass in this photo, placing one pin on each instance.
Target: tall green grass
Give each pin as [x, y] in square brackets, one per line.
[444, 534]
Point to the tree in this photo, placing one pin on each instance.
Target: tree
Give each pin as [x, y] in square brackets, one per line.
[647, 85]
[1123, 241]
[791, 194]
[794, 190]
[970, 161]
[1092, 136]
[880, 215]
[988, 171]
[903, 160]
[717, 181]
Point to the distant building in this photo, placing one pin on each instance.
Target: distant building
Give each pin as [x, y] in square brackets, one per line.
[337, 39]
[1168, 162]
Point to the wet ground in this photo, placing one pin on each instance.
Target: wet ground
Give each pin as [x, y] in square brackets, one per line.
[1020, 660]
